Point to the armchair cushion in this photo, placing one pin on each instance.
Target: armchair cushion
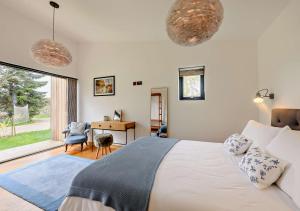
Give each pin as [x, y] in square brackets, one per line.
[77, 128]
[75, 139]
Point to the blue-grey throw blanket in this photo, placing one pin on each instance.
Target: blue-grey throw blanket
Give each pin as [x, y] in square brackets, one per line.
[124, 179]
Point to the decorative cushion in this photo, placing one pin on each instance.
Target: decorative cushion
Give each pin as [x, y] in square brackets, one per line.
[262, 169]
[261, 134]
[77, 128]
[237, 144]
[287, 147]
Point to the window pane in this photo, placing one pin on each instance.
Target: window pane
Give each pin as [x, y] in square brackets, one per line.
[191, 83]
[191, 86]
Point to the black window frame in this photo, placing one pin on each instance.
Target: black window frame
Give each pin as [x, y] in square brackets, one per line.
[34, 70]
[181, 85]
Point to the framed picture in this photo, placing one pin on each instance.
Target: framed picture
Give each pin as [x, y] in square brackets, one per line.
[104, 86]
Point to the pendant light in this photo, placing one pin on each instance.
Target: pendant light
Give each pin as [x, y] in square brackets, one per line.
[49, 52]
[191, 22]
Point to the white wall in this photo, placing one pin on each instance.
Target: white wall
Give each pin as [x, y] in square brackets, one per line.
[279, 61]
[18, 34]
[231, 82]
[231, 78]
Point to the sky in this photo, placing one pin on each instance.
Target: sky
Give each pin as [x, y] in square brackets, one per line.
[46, 88]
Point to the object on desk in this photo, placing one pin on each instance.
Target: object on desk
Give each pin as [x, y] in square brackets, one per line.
[118, 115]
[106, 118]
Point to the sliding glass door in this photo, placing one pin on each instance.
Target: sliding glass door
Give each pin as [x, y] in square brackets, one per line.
[34, 106]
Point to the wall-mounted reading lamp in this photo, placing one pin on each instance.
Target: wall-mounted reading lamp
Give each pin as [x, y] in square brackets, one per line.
[261, 94]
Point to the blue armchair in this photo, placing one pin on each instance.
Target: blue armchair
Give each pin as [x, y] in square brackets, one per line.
[163, 131]
[76, 139]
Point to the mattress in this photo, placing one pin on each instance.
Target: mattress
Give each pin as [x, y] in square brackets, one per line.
[197, 176]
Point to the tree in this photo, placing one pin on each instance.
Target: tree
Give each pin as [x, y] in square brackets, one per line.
[19, 87]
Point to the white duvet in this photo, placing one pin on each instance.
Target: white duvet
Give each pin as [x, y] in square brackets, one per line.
[197, 176]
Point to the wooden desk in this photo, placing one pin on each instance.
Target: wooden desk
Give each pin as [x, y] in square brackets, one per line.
[113, 126]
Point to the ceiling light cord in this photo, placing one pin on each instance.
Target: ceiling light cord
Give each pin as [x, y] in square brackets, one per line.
[53, 24]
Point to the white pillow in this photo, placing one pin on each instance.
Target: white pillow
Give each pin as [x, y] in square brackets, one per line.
[261, 134]
[77, 128]
[237, 144]
[287, 146]
[262, 169]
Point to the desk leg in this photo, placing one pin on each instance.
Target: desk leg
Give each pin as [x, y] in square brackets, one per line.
[92, 139]
[134, 133]
[126, 136]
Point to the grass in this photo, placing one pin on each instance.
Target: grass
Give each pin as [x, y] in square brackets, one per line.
[22, 139]
[41, 116]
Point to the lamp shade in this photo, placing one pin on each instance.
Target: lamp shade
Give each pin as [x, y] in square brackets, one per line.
[191, 22]
[51, 53]
[258, 100]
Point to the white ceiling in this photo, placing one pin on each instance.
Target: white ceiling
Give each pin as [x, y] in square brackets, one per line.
[142, 20]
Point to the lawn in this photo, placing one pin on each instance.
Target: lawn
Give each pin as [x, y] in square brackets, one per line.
[22, 139]
[41, 116]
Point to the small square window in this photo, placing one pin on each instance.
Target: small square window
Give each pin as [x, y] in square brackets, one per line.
[191, 83]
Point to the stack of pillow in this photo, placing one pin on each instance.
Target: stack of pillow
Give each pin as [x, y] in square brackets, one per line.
[272, 155]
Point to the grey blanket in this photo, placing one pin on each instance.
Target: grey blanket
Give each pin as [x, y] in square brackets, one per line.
[124, 179]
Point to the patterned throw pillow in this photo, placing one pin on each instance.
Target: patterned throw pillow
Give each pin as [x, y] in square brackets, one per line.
[77, 128]
[262, 169]
[237, 144]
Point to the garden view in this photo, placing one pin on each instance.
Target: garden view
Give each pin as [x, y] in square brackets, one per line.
[24, 107]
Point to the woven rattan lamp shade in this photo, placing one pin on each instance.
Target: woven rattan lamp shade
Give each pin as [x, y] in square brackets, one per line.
[51, 53]
[191, 22]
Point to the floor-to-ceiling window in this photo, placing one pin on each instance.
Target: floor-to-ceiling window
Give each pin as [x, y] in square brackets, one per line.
[33, 107]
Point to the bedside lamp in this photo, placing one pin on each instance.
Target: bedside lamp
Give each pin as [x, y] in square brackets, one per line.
[261, 94]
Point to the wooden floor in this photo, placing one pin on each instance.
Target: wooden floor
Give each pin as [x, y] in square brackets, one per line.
[10, 202]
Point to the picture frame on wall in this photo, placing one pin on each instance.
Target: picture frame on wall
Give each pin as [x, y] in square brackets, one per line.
[104, 86]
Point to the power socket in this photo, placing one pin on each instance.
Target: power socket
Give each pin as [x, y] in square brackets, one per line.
[137, 83]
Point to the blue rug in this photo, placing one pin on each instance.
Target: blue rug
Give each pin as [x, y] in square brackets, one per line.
[44, 183]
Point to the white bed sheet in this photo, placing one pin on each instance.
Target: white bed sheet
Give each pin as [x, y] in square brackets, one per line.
[198, 176]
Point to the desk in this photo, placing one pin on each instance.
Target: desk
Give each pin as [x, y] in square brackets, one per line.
[113, 126]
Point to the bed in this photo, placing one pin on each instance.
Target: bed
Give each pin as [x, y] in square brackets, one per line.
[202, 176]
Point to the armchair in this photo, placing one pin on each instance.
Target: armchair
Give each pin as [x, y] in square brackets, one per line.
[162, 132]
[76, 139]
